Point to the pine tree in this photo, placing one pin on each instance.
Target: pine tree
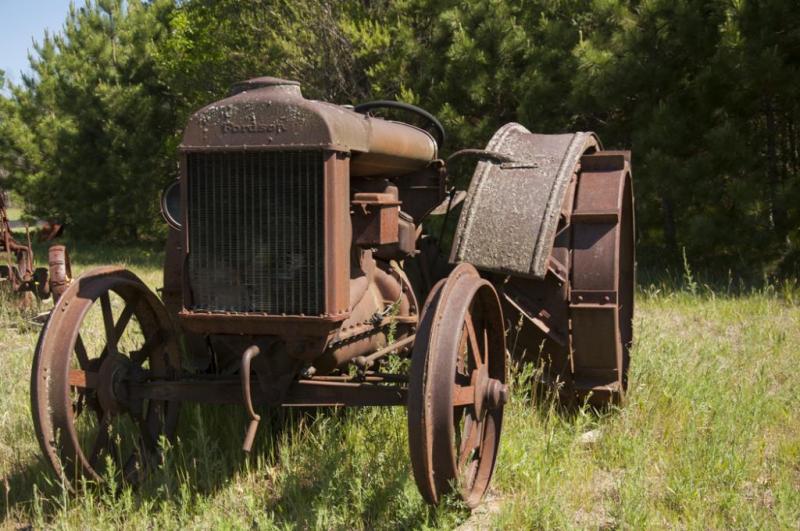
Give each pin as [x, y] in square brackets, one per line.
[90, 122]
[703, 92]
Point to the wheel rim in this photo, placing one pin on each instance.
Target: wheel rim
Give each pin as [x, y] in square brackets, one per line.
[602, 279]
[82, 419]
[627, 278]
[457, 388]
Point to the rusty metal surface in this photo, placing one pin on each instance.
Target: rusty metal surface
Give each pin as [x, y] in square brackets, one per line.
[376, 219]
[601, 297]
[512, 209]
[457, 388]
[576, 321]
[257, 324]
[60, 270]
[50, 230]
[422, 191]
[257, 117]
[338, 235]
[271, 113]
[316, 392]
[347, 306]
[18, 273]
[294, 274]
[74, 395]
[247, 395]
[334, 262]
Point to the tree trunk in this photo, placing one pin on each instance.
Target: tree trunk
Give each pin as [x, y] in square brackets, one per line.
[777, 214]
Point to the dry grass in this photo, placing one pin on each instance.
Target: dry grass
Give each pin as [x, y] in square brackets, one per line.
[710, 438]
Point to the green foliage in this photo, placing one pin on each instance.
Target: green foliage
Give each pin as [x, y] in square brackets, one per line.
[85, 140]
[704, 93]
[213, 44]
[711, 122]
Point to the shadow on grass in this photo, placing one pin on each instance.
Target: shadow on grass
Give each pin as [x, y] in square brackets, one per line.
[320, 465]
[367, 477]
[85, 252]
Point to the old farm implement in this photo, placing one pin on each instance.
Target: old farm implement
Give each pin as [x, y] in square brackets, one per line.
[18, 274]
[297, 266]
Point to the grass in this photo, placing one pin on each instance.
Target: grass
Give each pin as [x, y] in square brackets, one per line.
[14, 213]
[709, 438]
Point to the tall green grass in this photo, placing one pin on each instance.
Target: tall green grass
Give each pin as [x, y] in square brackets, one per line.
[709, 438]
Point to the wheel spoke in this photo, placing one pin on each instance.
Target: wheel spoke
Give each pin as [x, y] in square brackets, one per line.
[122, 322]
[82, 379]
[470, 473]
[485, 344]
[139, 356]
[473, 341]
[481, 436]
[78, 405]
[124, 318]
[462, 361]
[80, 352]
[471, 442]
[108, 322]
[463, 395]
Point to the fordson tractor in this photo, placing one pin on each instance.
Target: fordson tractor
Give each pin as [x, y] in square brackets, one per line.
[300, 268]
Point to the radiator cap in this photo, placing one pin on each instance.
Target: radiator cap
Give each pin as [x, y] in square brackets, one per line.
[284, 85]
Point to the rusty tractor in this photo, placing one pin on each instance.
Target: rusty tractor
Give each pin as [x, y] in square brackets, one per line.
[18, 275]
[299, 269]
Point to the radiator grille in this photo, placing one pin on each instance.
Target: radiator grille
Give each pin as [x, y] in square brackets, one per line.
[255, 222]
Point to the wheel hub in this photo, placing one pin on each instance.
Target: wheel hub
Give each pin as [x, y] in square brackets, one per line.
[496, 393]
[490, 393]
[113, 371]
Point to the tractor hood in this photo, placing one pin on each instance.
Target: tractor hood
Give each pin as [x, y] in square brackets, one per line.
[271, 113]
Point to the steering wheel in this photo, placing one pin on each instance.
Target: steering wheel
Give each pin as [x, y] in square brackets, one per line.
[440, 135]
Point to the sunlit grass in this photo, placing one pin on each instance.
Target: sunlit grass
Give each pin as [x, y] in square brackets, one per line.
[709, 438]
[14, 213]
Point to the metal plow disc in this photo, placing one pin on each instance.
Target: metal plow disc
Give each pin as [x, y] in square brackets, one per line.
[554, 231]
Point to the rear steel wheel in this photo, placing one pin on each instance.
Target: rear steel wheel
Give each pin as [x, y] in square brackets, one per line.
[106, 329]
[457, 388]
[603, 278]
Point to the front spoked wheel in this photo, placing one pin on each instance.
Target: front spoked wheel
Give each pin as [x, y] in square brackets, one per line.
[457, 388]
[107, 329]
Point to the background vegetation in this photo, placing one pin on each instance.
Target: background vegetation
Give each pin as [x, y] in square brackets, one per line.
[703, 91]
